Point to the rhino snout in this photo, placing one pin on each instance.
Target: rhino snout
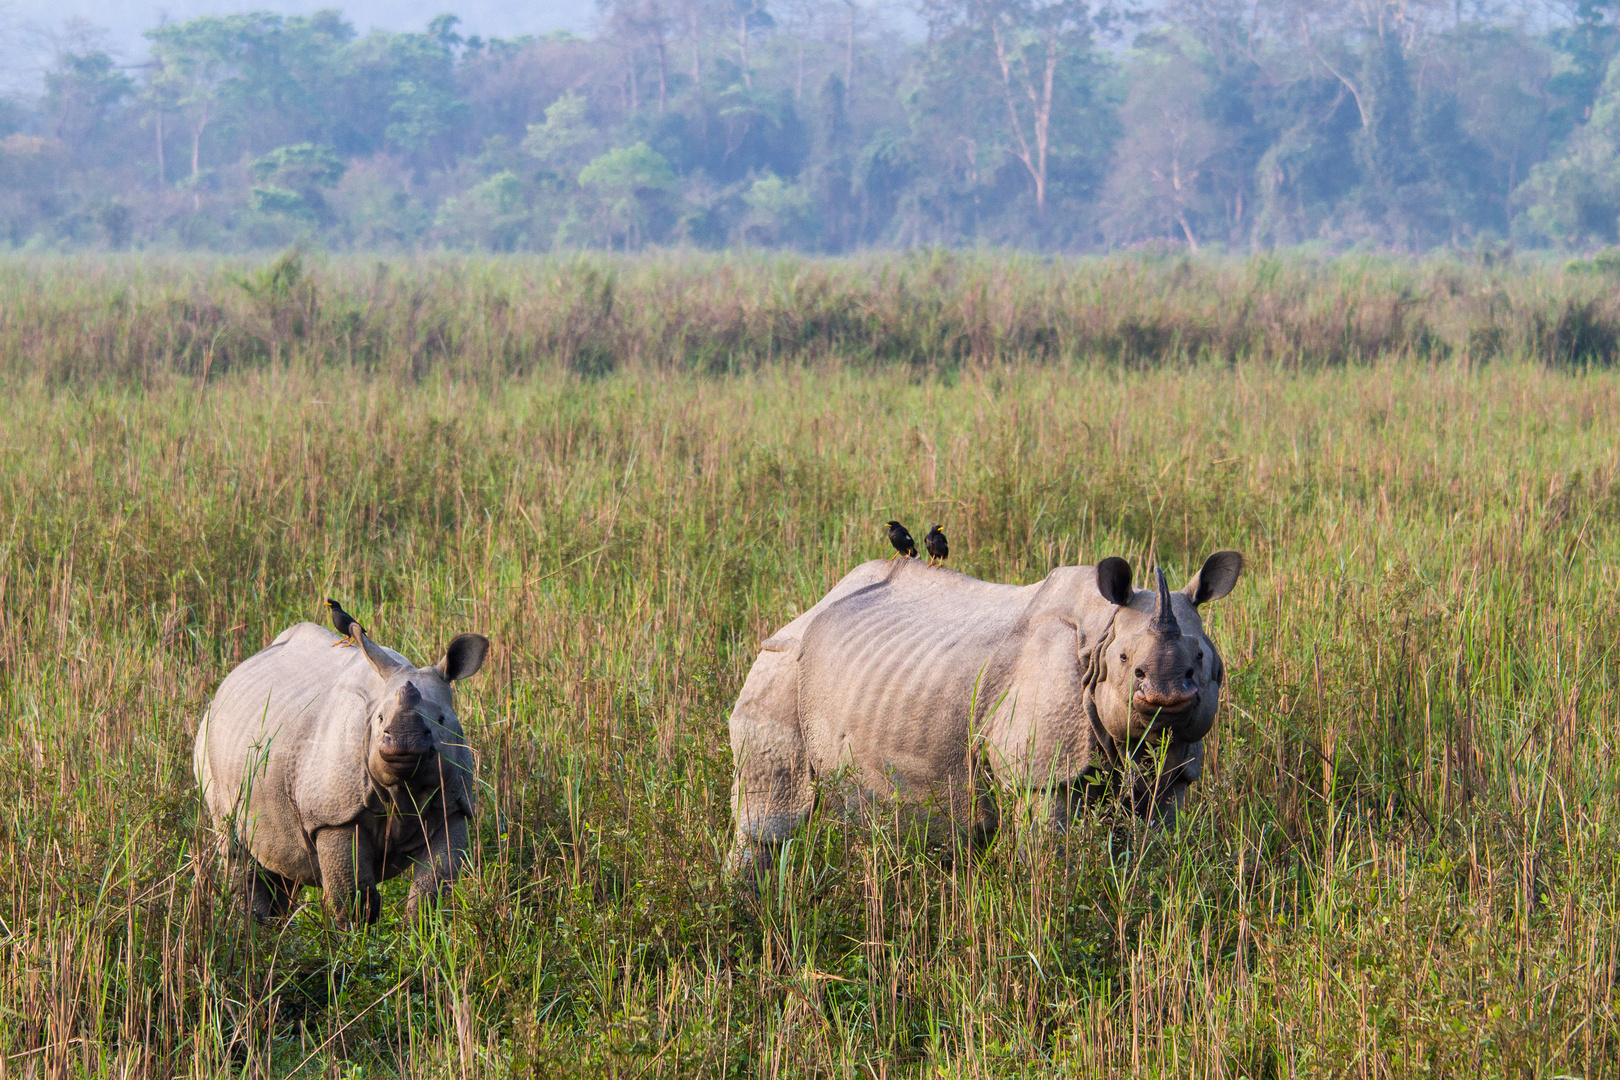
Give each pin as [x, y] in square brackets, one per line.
[1152, 699]
[404, 740]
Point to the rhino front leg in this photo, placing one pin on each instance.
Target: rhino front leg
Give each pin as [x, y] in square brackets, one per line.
[771, 793]
[1187, 766]
[446, 849]
[348, 874]
[1164, 779]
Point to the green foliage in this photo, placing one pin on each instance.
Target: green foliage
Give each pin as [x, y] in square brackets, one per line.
[1039, 124]
[303, 165]
[625, 183]
[418, 115]
[81, 91]
[489, 319]
[628, 170]
[376, 208]
[1575, 200]
[567, 128]
[197, 69]
[1156, 186]
[278, 200]
[778, 213]
[491, 215]
[275, 282]
[292, 178]
[1606, 261]
[1400, 858]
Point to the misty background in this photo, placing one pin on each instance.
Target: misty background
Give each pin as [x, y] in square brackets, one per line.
[39, 29]
[820, 125]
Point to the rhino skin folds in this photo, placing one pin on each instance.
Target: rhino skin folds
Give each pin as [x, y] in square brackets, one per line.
[923, 683]
[338, 767]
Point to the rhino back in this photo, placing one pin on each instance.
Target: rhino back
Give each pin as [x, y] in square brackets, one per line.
[281, 750]
[789, 637]
[892, 672]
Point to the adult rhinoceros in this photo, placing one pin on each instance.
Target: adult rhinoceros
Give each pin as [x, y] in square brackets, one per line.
[930, 684]
[339, 767]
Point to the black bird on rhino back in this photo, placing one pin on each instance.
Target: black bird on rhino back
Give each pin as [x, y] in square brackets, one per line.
[901, 539]
[347, 626]
[927, 684]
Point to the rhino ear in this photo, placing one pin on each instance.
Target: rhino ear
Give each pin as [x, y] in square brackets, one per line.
[1114, 580]
[463, 658]
[383, 664]
[1215, 578]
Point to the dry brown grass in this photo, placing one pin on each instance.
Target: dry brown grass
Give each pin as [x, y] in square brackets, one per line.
[1402, 858]
[134, 319]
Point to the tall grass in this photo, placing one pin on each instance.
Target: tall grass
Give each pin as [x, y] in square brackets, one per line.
[136, 318]
[1402, 857]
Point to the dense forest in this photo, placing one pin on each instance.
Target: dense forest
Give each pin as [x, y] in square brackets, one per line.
[828, 126]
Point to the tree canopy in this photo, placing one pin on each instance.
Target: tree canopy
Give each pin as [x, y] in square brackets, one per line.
[1049, 124]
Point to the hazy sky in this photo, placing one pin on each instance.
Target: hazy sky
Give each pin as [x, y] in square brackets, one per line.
[31, 24]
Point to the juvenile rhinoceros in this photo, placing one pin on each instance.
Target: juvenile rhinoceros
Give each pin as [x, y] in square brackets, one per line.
[932, 685]
[339, 767]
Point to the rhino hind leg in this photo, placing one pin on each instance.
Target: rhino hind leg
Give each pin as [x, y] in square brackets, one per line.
[771, 790]
[266, 894]
[269, 895]
[348, 875]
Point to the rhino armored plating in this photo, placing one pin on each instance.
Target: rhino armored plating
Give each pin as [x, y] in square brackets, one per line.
[339, 767]
[924, 683]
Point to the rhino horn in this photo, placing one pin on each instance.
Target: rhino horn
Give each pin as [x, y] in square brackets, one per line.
[1164, 616]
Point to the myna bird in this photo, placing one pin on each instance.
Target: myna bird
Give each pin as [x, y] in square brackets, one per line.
[938, 549]
[901, 539]
[343, 623]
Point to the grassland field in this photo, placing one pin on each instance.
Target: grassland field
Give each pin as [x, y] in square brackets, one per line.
[1403, 858]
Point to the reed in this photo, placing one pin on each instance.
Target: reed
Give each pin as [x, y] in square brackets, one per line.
[1401, 857]
[137, 318]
